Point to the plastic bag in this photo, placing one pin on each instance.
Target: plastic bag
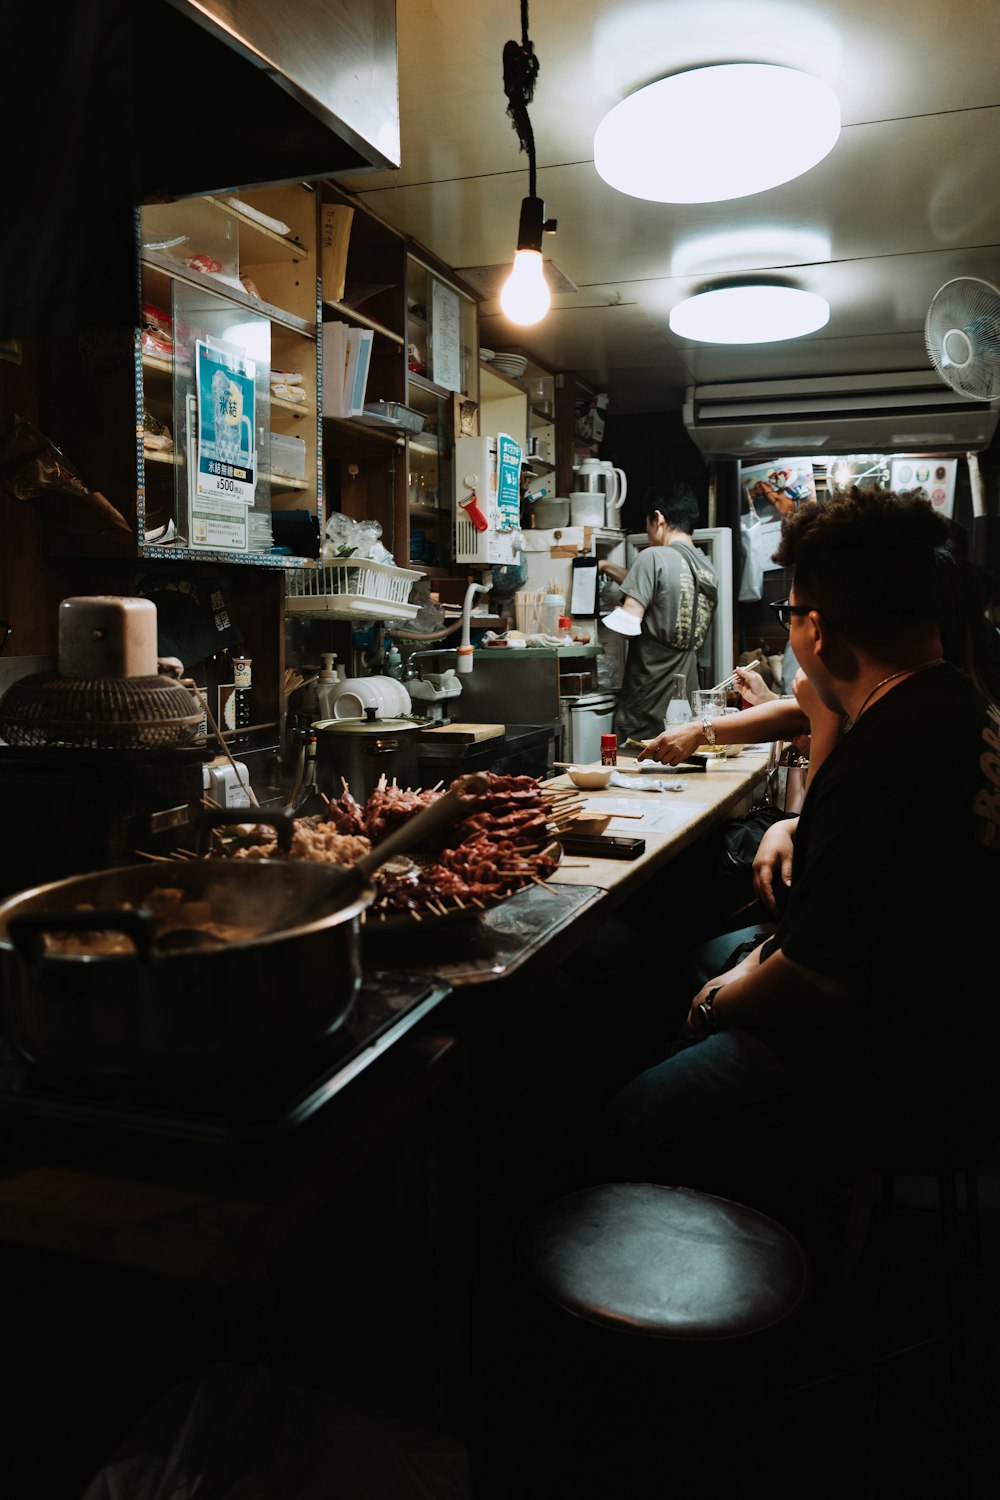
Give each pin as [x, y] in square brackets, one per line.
[235, 1434]
[32, 468]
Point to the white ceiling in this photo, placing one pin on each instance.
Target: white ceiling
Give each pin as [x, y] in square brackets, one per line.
[907, 199]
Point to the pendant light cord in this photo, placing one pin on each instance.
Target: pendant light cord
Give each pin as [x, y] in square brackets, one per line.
[520, 70]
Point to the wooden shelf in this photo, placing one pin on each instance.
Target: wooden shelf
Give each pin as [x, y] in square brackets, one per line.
[277, 481]
[423, 384]
[176, 270]
[268, 243]
[295, 408]
[348, 312]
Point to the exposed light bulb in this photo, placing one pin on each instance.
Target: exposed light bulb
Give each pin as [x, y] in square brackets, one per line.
[525, 297]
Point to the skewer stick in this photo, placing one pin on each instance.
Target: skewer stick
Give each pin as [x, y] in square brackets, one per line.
[163, 859]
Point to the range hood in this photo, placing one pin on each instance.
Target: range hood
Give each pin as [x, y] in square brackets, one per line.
[269, 93]
[899, 412]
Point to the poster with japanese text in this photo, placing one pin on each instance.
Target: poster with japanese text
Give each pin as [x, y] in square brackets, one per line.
[226, 460]
[508, 483]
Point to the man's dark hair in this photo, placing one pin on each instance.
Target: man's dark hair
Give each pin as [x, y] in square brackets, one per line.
[865, 560]
[676, 502]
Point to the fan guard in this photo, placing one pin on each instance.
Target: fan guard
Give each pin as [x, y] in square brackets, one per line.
[962, 335]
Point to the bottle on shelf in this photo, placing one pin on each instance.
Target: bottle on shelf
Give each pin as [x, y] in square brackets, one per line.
[553, 608]
[326, 685]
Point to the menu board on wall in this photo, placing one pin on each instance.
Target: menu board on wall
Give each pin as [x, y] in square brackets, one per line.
[934, 477]
[446, 337]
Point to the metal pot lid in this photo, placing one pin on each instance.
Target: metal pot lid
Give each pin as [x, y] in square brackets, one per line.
[366, 726]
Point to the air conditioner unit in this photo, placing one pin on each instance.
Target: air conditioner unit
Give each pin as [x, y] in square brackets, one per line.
[903, 412]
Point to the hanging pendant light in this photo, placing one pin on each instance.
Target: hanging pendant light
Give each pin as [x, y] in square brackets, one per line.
[756, 312]
[719, 132]
[525, 296]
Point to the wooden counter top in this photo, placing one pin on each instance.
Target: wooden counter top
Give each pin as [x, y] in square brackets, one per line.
[668, 821]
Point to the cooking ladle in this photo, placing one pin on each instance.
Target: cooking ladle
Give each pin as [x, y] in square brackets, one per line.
[344, 881]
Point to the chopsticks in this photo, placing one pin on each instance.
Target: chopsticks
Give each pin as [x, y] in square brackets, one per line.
[730, 680]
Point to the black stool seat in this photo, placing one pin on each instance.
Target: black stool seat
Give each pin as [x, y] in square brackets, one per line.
[665, 1262]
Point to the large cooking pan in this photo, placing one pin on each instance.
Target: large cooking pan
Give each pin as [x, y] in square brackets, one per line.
[162, 1007]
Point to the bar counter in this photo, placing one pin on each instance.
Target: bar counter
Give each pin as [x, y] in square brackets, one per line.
[348, 1237]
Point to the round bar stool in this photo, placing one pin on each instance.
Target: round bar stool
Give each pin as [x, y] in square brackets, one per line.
[676, 1298]
[665, 1263]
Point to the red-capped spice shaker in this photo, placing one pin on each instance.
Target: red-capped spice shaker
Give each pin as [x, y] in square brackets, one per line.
[609, 749]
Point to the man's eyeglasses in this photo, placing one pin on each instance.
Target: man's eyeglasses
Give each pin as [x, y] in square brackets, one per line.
[785, 611]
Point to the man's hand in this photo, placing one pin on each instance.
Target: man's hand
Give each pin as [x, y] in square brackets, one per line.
[773, 860]
[752, 686]
[674, 744]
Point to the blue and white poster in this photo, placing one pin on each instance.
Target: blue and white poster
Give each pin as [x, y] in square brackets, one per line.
[226, 385]
[508, 483]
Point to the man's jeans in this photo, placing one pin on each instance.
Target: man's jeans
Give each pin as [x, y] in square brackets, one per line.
[727, 1071]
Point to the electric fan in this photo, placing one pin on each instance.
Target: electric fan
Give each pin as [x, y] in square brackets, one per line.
[962, 334]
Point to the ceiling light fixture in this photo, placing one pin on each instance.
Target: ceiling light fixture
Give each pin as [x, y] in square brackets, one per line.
[525, 296]
[717, 132]
[750, 313]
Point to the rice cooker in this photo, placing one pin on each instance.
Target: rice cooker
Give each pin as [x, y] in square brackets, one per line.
[360, 751]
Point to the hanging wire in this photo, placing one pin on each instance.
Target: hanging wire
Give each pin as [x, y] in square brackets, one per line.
[520, 70]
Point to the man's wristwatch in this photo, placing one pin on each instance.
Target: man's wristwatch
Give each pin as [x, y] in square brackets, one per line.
[709, 729]
[706, 1009]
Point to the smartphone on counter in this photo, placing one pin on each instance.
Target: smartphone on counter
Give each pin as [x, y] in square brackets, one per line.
[605, 845]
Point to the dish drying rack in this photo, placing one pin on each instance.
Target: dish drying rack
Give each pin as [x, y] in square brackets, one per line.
[351, 588]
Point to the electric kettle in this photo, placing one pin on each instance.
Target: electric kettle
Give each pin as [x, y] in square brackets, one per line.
[598, 476]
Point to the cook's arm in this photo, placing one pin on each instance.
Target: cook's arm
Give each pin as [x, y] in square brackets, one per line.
[612, 570]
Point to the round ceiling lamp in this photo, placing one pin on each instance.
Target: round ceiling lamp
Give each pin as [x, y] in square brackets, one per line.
[717, 132]
[754, 313]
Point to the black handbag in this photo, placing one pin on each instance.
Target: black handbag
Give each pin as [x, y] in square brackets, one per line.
[738, 842]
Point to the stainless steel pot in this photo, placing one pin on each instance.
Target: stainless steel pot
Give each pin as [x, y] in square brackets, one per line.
[161, 1009]
[151, 1010]
[359, 751]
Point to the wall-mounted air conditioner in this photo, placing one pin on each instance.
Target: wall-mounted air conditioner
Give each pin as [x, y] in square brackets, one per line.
[902, 412]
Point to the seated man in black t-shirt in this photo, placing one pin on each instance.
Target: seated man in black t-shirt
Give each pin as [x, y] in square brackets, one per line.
[871, 1005]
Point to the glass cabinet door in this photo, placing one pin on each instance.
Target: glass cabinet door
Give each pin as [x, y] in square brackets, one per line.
[442, 360]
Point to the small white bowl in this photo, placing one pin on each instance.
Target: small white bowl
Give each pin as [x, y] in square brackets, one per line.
[591, 778]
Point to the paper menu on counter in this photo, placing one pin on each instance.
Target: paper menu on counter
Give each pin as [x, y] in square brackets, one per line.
[659, 815]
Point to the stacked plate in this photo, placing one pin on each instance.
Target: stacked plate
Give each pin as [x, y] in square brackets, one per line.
[513, 365]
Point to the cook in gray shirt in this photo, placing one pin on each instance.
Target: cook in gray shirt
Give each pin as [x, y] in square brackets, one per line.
[671, 589]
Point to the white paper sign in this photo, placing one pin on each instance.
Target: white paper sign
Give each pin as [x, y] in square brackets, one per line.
[446, 337]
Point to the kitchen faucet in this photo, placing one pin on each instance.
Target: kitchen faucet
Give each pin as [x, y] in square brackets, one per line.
[465, 649]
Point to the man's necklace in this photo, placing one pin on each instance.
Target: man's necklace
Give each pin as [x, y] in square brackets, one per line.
[903, 672]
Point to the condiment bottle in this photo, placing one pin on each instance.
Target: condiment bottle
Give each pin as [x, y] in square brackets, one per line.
[609, 749]
[553, 606]
[326, 684]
